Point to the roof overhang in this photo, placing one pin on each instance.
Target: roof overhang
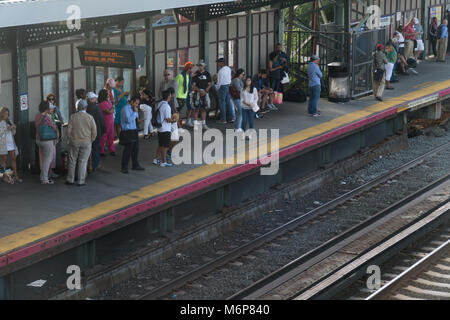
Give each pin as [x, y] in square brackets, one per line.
[14, 13]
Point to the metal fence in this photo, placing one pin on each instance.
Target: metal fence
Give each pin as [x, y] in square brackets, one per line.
[330, 46]
[363, 45]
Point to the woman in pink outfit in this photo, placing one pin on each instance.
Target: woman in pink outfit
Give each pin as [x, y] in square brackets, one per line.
[108, 114]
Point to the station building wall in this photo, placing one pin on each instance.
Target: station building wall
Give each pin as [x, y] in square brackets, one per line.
[55, 67]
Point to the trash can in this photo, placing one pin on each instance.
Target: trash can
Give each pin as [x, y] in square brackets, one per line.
[339, 82]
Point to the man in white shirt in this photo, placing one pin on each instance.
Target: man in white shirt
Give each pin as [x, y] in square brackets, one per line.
[164, 115]
[223, 86]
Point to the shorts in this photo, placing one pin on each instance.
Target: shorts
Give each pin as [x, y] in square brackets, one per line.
[174, 135]
[420, 46]
[164, 139]
[181, 103]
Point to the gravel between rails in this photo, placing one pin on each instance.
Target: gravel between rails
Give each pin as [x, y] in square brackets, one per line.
[233, 277]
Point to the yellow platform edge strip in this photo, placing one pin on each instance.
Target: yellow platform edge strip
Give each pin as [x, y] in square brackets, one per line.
[45, 230]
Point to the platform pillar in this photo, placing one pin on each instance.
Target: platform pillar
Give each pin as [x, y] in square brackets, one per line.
[91, 74]
[434, 112]
[202, 16]
[167, 221]
[149, 56]
[21, 105]
[6, 291]
[249, 42]
[86, 255]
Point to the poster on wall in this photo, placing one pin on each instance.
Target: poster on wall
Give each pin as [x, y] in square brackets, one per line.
[398, 16]
[24, 102]
[436, 12]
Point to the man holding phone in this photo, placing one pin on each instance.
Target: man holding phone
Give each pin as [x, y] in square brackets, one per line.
[129, 137]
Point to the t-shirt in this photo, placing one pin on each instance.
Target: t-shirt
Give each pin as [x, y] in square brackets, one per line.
[409, 32]
[164, 113]
[202, 80]
[401, 40]
[418, 28]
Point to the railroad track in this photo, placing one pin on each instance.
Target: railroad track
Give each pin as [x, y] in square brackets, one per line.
[365, 189]
[433, 271]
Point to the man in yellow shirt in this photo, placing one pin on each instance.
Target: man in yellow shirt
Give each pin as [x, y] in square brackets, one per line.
[184, 80]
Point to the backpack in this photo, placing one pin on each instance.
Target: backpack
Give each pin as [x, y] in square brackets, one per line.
[412, 63]
[155, 118]
[295, 95]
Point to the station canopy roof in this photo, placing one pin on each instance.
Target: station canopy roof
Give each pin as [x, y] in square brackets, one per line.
[15, 13]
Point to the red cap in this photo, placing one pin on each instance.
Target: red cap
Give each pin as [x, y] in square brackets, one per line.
[380, 46]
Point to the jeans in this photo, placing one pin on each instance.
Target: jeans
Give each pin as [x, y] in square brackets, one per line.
[131, 150]
[314, 96]
[248, 114]
[96, 153]
[237, 103]
[276, 84]
[225, 102]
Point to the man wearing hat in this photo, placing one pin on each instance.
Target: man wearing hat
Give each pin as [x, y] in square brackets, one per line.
[314, 75]
[94, 110]
[379, 65]
[82, 131]
[202, 81]
[184, 80]
[223, 85]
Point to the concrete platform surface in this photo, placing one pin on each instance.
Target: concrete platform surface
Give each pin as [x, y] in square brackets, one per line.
[31, 212]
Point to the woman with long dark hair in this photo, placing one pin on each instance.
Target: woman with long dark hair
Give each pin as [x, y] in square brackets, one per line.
[237, 85]
[275, 69]
[249, 100]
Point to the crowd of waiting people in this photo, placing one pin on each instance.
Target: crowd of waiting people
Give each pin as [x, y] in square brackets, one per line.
[404, 52]
[100, 119]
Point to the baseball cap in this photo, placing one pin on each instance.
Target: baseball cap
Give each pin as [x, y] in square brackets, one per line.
[416, 21]
[188, 64]
[81, 104]
[201, 63]
[315, 57]
[220, 60]
[92, 95]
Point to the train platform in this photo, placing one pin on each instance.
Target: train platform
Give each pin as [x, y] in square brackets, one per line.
[35, 218]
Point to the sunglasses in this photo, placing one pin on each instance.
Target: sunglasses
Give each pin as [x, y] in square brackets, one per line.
[167, 75]
[51, 99]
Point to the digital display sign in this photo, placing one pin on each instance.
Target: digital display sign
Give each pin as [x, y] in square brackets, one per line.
[115, 56]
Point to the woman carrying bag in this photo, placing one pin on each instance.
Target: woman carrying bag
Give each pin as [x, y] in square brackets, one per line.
[379, 72]
[46, 137]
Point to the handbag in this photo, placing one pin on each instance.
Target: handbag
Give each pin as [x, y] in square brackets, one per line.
[285, 79]
[378, 75]
[278, 97]
[234, 93]
[45, 131]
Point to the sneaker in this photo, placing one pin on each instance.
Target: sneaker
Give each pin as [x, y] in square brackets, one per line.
[222, 122]
[379, 98]
[165, 164]
[48, 182]
[156, 162]
[316, 115]
[389, 88]
[205, 127]
[53, 175]
[414, 71]
[189, 123]
[272, 107]
[239, 130]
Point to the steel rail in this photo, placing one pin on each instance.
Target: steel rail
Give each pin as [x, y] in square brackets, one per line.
[273, 234]
[295, 267]
[410, 273]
